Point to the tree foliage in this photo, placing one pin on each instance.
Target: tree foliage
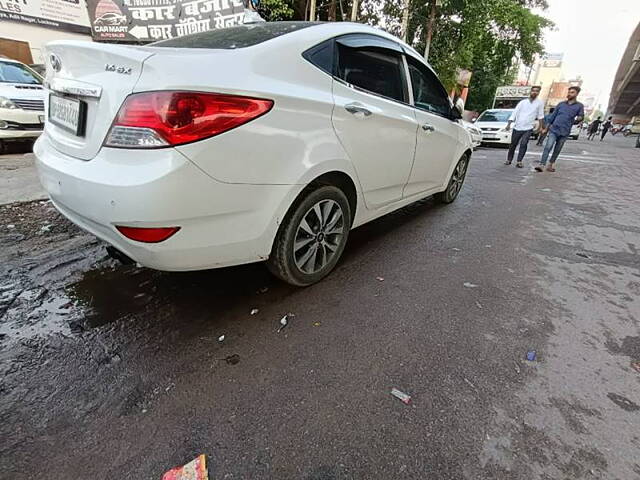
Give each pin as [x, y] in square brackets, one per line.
[486, 37]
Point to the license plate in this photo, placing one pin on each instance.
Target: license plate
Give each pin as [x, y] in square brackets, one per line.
[68, 113]
[490, 137]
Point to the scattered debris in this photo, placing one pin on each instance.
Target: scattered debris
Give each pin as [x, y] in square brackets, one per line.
[254, 311]
[636, 366]
[46, 228]
[517, 367]
[583, 255]
[380, 279]
[470, 285]
[403, 397]
[531, 355]
[263, 290]
[471, 384]
[10, 226]
[487, 246]
[221, 338]
[478, 304]
[284, 321]
[316, 324]
[232, 359]
[194, 470]
[544, 189]
[455, 249]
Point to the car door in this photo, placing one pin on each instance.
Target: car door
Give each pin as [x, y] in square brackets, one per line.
[437, 142]
[372, 117]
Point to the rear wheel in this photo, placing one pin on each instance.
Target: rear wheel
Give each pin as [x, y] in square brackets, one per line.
[455, 182]
[312, 237]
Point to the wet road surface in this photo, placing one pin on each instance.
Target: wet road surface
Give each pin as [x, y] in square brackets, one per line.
[111, 372]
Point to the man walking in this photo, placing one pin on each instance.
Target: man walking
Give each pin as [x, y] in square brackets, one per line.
[524, 118]
[606, 126]
[593, 128]
[563, 117]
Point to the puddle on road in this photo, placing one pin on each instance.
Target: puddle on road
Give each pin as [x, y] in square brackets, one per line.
[108, 294]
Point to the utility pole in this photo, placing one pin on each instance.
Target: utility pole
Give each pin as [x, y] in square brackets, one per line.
[430, 24]
[312, 11]
[354, 11]
[405, 19]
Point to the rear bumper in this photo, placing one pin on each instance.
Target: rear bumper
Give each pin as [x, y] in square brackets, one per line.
[221, 224]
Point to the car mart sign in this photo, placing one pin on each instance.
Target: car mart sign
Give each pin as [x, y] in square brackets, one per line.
[151, 20]
[68, 15]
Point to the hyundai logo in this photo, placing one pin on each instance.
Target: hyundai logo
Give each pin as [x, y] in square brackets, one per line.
[56, 64]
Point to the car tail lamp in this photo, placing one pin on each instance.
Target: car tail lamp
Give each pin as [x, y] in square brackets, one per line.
[147, 235]
[168, 118]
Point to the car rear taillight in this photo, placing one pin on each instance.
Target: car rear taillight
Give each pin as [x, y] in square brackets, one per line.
[147, 235]
[161, 119]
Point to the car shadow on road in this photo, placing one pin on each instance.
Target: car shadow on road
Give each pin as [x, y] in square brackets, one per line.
[115, 291]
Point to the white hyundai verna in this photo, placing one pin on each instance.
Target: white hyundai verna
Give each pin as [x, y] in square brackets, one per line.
[260, 142]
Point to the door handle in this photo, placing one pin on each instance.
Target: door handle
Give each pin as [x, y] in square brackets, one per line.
[428, 127]
[355, 108]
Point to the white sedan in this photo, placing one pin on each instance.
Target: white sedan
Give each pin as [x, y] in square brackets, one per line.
[259, 142]
[493, 124]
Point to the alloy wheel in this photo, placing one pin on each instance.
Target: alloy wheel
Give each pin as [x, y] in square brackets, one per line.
[318, 236]
[457, 179]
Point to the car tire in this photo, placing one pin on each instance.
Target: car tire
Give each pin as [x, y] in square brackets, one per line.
[455, 182]
[318, 221]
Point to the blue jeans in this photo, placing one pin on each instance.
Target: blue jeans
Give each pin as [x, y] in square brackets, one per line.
[555, 142]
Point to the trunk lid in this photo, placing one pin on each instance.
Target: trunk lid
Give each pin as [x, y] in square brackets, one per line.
[98, 75]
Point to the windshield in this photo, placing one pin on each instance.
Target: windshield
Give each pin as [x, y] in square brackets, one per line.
[11, 72]
[235, 37]
[495, 116]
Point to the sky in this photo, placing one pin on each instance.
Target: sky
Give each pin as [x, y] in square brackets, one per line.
[593, 35]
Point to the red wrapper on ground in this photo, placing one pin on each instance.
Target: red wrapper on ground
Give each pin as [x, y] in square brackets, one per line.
[194, 470]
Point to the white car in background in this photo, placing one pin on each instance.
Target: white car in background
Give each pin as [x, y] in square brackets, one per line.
[21, 103]
[267, 141]
[475, 132]
[493, 125]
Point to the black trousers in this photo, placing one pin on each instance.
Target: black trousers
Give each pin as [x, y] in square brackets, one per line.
[518, 137]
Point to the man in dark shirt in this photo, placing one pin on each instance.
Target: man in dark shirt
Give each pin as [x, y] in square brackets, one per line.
[593, 128]
[606, 126]
[561, 120]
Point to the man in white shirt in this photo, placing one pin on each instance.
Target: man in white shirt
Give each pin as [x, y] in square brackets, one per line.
[524, 117]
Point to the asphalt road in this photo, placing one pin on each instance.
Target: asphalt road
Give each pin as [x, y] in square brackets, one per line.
[115, 372]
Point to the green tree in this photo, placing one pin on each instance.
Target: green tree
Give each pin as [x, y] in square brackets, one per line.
[485, 36]
[276, 10]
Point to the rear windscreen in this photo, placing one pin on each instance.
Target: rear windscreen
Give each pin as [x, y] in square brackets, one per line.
[235, 37]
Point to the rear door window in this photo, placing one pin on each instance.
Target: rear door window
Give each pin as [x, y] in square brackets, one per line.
[322, 56]
[378, 71]
[428, 92]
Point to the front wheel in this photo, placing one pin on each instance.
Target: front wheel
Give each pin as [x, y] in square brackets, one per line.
[455, 183]
[312, 237]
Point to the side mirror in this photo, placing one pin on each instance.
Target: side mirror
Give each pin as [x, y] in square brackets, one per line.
[474, 120]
